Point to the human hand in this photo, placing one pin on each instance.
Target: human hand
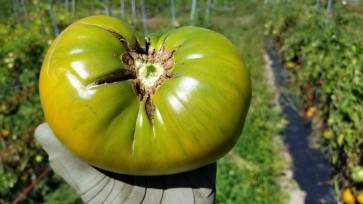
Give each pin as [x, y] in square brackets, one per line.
[99, 186]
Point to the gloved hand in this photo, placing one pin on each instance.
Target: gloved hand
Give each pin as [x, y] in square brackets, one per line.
[98, 186]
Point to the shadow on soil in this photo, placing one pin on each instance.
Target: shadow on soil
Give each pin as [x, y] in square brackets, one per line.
[311, 168]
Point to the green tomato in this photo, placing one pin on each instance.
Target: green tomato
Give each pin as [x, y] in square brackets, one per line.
[38, 158]
[357, 174]
[153, 106]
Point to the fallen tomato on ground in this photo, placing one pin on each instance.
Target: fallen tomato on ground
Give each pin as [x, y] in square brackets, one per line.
[144, 106]
[348, 197]
[360, 197]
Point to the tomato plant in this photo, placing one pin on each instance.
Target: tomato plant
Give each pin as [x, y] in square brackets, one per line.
[158, 105]
[327, 76]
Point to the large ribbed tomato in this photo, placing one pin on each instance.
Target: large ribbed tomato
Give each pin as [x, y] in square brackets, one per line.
[148, 106]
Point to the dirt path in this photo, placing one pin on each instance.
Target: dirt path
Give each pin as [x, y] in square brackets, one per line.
[307, 171]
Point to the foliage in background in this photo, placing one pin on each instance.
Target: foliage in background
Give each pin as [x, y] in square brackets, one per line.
[325, 63]
[22, 48]
[249, 174]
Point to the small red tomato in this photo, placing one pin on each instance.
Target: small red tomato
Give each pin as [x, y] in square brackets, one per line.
[308, 87]
[311, 98]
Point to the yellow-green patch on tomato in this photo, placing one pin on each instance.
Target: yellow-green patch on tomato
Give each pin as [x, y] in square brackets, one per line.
[357, 174]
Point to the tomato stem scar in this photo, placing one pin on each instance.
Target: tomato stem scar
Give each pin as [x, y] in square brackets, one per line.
[146, 67]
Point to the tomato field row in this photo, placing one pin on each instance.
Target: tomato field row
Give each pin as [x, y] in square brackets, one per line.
[325, 65]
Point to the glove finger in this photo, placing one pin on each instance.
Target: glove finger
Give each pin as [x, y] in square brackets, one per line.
[178, 190]
[45, 136]
[204, 180]
[74, 171]
[119, 193]
[155, 189]
[138, 191]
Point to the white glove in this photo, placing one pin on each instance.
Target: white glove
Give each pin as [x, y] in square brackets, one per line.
[97, 186]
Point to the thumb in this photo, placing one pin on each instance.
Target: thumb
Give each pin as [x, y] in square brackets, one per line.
[77, 173]
[45, 136]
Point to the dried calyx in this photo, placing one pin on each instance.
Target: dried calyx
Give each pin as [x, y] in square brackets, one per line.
[151, 68]
[146, 67]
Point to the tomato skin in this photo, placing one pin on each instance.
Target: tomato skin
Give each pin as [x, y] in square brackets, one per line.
[360, 197]
[199, 112]
[348, 197]
[357, 174]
